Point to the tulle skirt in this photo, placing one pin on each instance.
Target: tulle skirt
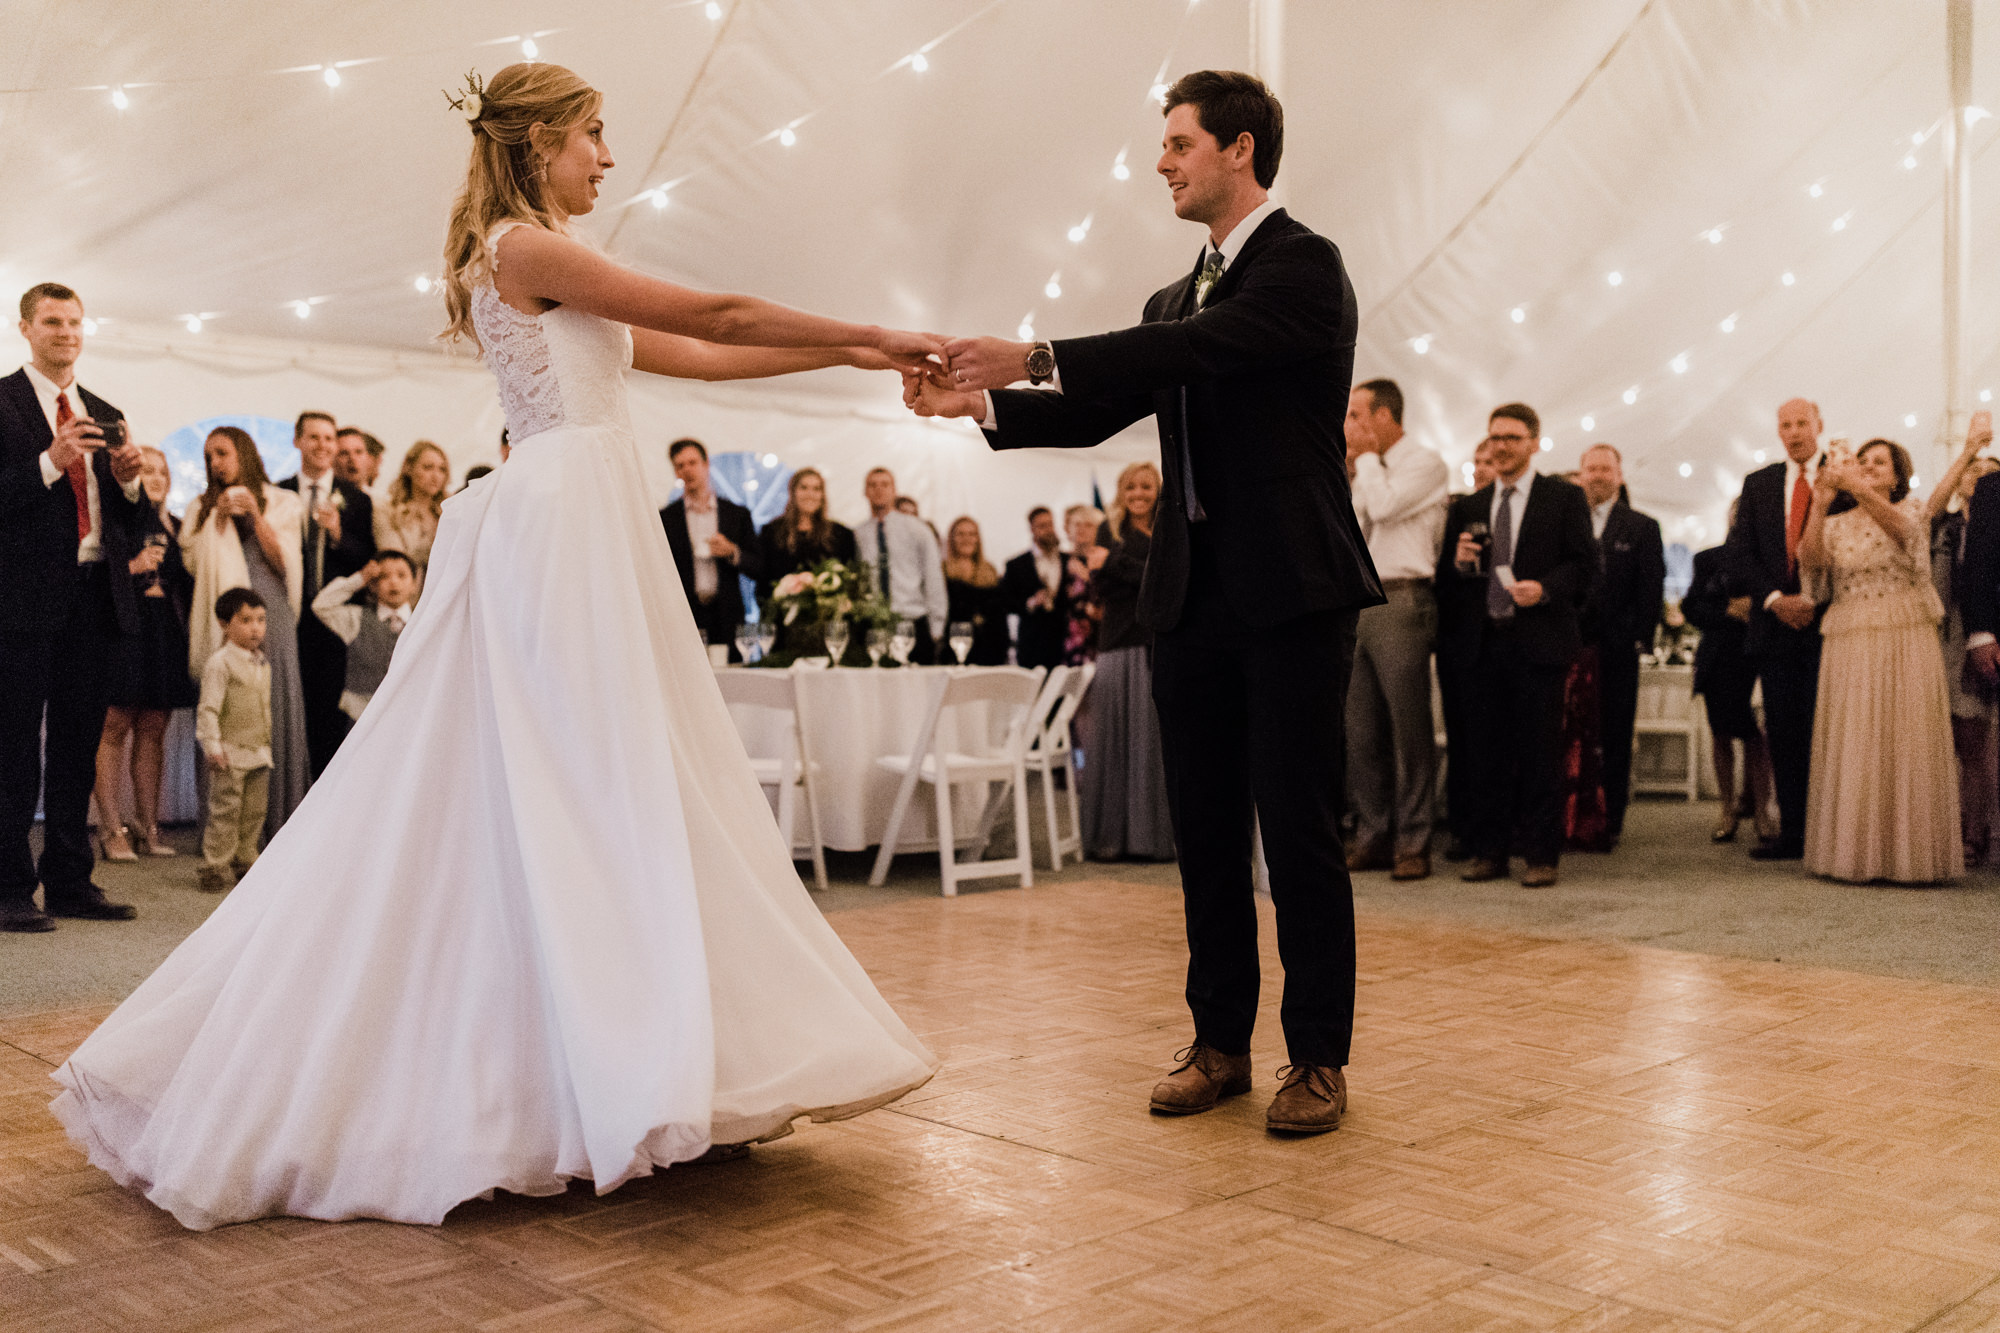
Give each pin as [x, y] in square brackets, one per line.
[1884, 797]
[534, 923]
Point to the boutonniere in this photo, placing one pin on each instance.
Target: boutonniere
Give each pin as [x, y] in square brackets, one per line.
[339, 499]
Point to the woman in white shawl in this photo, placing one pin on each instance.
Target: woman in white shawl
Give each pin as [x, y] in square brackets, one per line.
[246, 533]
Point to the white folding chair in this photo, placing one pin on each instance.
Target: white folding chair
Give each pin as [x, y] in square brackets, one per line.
[929, 760]
[1052, 749]
[793, 772]
[1667, 708]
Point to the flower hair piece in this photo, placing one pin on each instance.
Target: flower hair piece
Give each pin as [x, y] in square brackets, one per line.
[470, 100]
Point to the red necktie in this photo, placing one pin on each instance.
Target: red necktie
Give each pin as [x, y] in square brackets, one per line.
[77, 482]
[1795, 521]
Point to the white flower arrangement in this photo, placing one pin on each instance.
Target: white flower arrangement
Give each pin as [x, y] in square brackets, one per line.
[469, 101]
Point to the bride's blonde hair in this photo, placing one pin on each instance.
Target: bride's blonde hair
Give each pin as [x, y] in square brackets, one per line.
[525, 114]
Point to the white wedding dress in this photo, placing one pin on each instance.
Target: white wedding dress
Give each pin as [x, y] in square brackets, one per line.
[536, 921]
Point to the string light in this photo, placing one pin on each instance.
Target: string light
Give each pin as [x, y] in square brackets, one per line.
[193, 323]
[1119, 171]
[1421, 345]
[750, 485]
[1758, 456]
[89, 328]
[1910, 162]
[787, 137]
[1631, 395]
[1547, 443]
[659, 201]
[423, 284]
[1917, 138]
[303, 309]
[1840, 223]
[528, 48]
[1081, 229]
[919, 62]
[1680, 364]
[1589, 423]
[1686, 469]
[1986, 395]
[1787, 278]
[1518, 315]
[1158, 92]
[1713, 235]
[332, 77]
[713, 10]
[1614, 277]
[119, 99]
[1026, 331]
[1910, 419]
[1815, 189]
[1728, 325]
[770, 460]
[1054, 287]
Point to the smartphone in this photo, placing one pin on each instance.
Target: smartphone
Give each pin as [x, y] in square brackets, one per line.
[114, 433]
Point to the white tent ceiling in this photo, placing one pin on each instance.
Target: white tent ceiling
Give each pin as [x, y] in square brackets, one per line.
[1468, 158]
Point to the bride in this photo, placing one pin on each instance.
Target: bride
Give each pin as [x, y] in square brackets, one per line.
[536, 921]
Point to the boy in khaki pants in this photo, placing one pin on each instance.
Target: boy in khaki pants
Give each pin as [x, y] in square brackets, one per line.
[233, 725]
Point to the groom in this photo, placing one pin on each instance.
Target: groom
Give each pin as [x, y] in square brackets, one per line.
[1257, 575]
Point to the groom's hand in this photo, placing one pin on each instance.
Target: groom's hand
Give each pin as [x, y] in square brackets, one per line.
[986, 363]
[923, 395]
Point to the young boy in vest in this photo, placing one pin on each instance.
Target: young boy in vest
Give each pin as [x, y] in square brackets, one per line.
[369, 630]
[233, 725]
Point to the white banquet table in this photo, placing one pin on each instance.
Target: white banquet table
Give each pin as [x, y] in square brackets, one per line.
[854, 716]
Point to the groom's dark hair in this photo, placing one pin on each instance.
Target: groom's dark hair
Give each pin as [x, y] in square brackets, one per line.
[1229, 103]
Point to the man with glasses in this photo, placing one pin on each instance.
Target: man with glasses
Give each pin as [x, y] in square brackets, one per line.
[1526, 540]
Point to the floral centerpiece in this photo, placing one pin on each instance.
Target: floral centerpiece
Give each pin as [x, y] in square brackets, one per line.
[805, 601]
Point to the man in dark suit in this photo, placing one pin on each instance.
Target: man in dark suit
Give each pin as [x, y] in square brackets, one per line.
[1038, 594]
[1535, 563]
[1762, 557]
[69, 516]
[1624, 609]
[1257, 575]
[713, 541]
[1460, 600]
[339, 539]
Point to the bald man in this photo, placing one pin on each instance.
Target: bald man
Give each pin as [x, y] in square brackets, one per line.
[1762, 557]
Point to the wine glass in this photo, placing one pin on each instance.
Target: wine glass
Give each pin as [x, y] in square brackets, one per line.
[959, 635]
[746, 642]
[155, 541]
[836, 641]
[902, 641]
[767, 638]
[878, 643]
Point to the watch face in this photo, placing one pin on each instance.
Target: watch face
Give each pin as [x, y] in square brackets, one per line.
[1041, 361]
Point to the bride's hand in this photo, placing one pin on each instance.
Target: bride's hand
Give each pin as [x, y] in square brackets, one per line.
[874, 358]
[909, 351]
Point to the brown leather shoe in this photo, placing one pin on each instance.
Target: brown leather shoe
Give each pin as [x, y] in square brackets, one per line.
[1538, 877]
[1205, 1076]
[1364, 858]
[1311, 1100]
[1483, 868]
[1412, 867]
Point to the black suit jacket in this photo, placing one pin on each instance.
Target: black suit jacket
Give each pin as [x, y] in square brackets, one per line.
[1629, 593]
[1255, 383]
[1039, 641]
[356, 546]
[38, 538]
[734, 522]
[1555, 549]
[1755, 555]
[1978, 585]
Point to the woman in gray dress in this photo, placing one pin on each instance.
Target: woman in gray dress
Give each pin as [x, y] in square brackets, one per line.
[1123, 787]
[245, 533]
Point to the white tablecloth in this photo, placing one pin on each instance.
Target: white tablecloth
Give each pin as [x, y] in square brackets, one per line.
[856, 715]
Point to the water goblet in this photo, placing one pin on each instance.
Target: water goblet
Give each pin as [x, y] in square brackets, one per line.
[959, 635]
[767, 638]
[902, 641]
[746, 642]
[836, 641]
[878, 644]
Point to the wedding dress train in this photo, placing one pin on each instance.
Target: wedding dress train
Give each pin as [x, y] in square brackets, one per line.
[536, 921]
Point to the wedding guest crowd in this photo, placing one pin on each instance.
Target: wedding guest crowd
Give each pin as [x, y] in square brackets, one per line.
[339, 538]
[715, 546]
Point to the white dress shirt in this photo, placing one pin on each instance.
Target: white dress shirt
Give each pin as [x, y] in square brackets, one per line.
[916, 569]
[312, 494]
[702, 524]
[1401, 496]
[1810, 471]
[1521, 489]
[1232, 246]
[1600, 514]
[91, 548]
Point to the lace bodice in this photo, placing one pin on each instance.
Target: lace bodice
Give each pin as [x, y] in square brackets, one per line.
[561, 368]
[1877, 582]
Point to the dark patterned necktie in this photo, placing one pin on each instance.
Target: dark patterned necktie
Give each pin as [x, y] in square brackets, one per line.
[1500, 602]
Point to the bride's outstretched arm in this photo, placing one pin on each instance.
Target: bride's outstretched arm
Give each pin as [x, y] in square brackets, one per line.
[692, 359]
[539, 264]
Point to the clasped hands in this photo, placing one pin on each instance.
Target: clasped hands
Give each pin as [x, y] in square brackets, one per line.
[953, 381]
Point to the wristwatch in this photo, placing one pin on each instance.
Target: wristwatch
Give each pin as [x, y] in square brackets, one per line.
[1041, 363]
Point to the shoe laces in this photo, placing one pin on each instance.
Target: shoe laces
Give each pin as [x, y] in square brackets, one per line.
[1315, 1077]
[1195, 1055]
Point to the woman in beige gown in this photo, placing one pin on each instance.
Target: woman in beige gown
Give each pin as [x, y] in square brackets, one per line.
[1884, 794]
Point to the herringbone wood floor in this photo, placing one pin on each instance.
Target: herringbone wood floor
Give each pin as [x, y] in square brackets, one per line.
[1543, 1135]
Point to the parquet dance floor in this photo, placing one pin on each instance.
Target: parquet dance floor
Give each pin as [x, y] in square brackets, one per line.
[1542, 1135]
